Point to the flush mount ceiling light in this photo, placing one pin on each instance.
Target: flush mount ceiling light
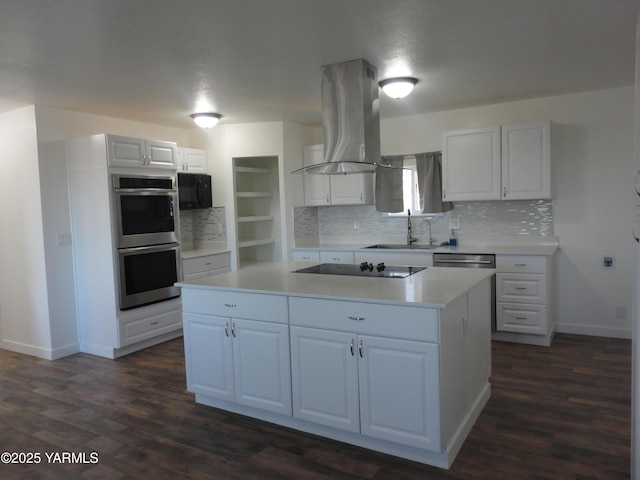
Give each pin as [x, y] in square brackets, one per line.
[398, 87]
[206, 120]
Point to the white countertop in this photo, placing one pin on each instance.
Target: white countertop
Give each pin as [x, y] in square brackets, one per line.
[432, 287]
[203, 251]
[485, 248]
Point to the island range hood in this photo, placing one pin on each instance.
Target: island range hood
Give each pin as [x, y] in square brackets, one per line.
[350, 120]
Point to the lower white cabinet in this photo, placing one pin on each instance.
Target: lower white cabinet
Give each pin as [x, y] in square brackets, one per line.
[524, 294]
[303, 255]
[336, 256]
[380, 387]
[237, 359]
[204, 266]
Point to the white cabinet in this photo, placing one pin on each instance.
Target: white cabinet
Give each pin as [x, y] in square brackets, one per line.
[512, 162]
[206, 265]
[323, 190]
[407, 259]
[524, 294]
[471, 164]
[304, 255]
[336, 256]
[191, 160]
[526, 161]
[345, 369]
[135, 152]
[237, 348]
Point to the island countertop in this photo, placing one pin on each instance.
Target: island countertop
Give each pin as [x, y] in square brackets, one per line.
[434, 287]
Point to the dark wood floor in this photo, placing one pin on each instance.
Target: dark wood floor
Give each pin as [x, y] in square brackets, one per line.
[555, 413]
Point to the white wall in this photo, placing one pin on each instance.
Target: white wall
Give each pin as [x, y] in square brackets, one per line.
[282, 140]
[37, 299]
[24, 309]
[593, 171]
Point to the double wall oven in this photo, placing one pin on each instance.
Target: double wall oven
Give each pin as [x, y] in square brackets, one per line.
[147, 239]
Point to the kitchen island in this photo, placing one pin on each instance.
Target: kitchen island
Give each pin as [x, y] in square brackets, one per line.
[397, 365]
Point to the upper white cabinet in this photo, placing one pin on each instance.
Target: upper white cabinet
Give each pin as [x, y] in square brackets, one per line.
[512, 162]
[471, 164]
[192, 160]
[323, 190]
[526, 161]
[136, 152]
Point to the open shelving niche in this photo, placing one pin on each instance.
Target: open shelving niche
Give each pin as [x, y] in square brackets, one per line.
[257, 197]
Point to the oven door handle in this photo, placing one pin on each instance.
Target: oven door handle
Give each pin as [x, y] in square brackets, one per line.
[151, 248]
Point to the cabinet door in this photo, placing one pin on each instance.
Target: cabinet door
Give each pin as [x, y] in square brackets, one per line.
[471, 164]
[125, 151]
[208, 355]
[193, 161]
[399, 391]
[352, 189]
[325, 377]
[526, 161]
[161, 154]
[261, 365]
[317, 188]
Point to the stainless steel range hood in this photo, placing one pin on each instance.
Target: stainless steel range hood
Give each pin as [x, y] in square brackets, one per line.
[350, 119]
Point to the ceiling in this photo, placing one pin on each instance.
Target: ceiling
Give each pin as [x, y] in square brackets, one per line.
[158, 61]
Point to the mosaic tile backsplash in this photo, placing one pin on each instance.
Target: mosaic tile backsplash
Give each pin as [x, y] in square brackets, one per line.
[206, 225]
[477, 219]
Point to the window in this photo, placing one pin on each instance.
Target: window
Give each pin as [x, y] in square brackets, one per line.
[410, 191]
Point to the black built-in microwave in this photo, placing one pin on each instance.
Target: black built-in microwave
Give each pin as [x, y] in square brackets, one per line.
[194, 191]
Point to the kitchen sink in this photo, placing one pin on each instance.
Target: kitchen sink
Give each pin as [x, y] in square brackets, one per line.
[402, 246]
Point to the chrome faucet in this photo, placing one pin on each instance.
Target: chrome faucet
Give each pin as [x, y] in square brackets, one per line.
[410, 238]
[431, 240]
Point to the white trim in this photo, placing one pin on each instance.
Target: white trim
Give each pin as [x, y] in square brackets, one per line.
[594, 331]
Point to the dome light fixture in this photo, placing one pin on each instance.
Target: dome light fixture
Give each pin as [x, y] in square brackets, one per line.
[206, 120]
[398, 87]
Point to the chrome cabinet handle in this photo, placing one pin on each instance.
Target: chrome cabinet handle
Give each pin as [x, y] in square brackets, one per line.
[226, 329]
[444, 193]
[351, 347]
[521, 318]
[230, 305]
[521, 288]
[328, 199]
[522, 265]
[360, 348]
[504, 192]
[154, 323]
[233, 329]
[357, 319]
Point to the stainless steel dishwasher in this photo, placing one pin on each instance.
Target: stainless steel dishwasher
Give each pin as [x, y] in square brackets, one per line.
[471, 260]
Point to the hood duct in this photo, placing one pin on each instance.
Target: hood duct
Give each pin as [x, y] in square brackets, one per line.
[350, 120]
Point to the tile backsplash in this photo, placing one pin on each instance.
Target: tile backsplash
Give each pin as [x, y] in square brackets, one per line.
[206, 225]
[358, 223]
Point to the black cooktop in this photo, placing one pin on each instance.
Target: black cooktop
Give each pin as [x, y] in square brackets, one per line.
[363, 270]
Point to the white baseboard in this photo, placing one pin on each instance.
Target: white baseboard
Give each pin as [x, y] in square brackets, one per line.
[594, 331]
[40, 352]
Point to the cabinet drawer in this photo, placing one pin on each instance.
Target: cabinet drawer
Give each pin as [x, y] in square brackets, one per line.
[521, 288]
[336, 256]
[522, 263]
[521, 318]
[306, 256]
[412, 323]
[143, 328]
[204, 264]
[223, 303]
